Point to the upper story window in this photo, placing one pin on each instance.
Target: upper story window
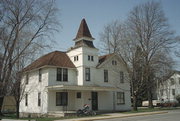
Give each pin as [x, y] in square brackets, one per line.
[26, 100]
[121, 77]
[161, 92]
[61, 98]
[90, 58]
[76, 58]
[173, 91]
[39, 99]
[105, 75]
[120, 98]
[62, 74]
[172, 81]
[40, 75]
[65, 74]
[114, 62]
[87, 74]
[27, 78]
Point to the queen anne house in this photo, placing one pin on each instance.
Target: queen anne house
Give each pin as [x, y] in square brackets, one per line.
[62, 82]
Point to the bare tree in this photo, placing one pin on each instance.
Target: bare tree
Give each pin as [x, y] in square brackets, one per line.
[146, 40]
[17, 86]
[112, 36]
[24, 25]
[152, 32]
[18, 90]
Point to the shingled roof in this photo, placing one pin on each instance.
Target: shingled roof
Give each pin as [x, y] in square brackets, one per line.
[56, 58]
[83, 30]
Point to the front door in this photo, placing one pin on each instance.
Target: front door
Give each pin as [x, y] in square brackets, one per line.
[94, 97]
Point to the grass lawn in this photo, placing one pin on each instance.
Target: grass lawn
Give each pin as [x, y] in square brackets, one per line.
[141, 110]
[13, 116]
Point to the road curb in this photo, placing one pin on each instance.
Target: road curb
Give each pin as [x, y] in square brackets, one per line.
[123, 116]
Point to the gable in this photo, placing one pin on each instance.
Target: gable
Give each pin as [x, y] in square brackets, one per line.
[108, 60]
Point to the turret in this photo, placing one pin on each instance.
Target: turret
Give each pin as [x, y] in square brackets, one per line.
[84, 37]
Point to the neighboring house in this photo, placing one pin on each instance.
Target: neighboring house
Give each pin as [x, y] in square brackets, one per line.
[170, 88]
[62, 82]
[9, 104]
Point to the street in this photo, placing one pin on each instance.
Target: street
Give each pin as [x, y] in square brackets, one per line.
[172, 115]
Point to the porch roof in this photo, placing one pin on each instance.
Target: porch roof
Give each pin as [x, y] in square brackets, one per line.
[83, 88]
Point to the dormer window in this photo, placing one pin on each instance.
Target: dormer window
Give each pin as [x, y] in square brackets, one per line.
[114, 62]
[90, 58]
[76, 58]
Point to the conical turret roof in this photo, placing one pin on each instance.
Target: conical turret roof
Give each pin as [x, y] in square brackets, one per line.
[83, 31]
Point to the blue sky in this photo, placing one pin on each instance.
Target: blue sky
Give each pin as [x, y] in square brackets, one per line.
[100, 12]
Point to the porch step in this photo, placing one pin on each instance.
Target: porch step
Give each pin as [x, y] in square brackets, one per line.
[61, 113]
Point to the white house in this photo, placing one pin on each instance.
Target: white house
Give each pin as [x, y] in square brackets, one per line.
[62, 82]
[169, 89]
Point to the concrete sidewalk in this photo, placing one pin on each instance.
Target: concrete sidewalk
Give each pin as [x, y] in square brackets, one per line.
[106, 116]
[113, 115]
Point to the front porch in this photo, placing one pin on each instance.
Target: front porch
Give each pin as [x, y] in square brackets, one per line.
[66, 99]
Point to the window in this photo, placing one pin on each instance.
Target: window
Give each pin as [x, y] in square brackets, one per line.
[78, 95]
[65, 74]
[179, 80]
[59, 72]
[87, 74]
[172, 81]
[76, 58]
[89, 57]
[105, 75]
[39, 99]
[173, 91]
[62, 74]
[40, 75]
[27, 78]
[161, 92]
[61, 98]
[92, 58]
[121, 77]
[26, 100]
[114, 62]
[120, 98]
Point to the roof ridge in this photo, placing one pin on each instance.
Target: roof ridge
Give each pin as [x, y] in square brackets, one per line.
[107, 54]
[52, 57]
